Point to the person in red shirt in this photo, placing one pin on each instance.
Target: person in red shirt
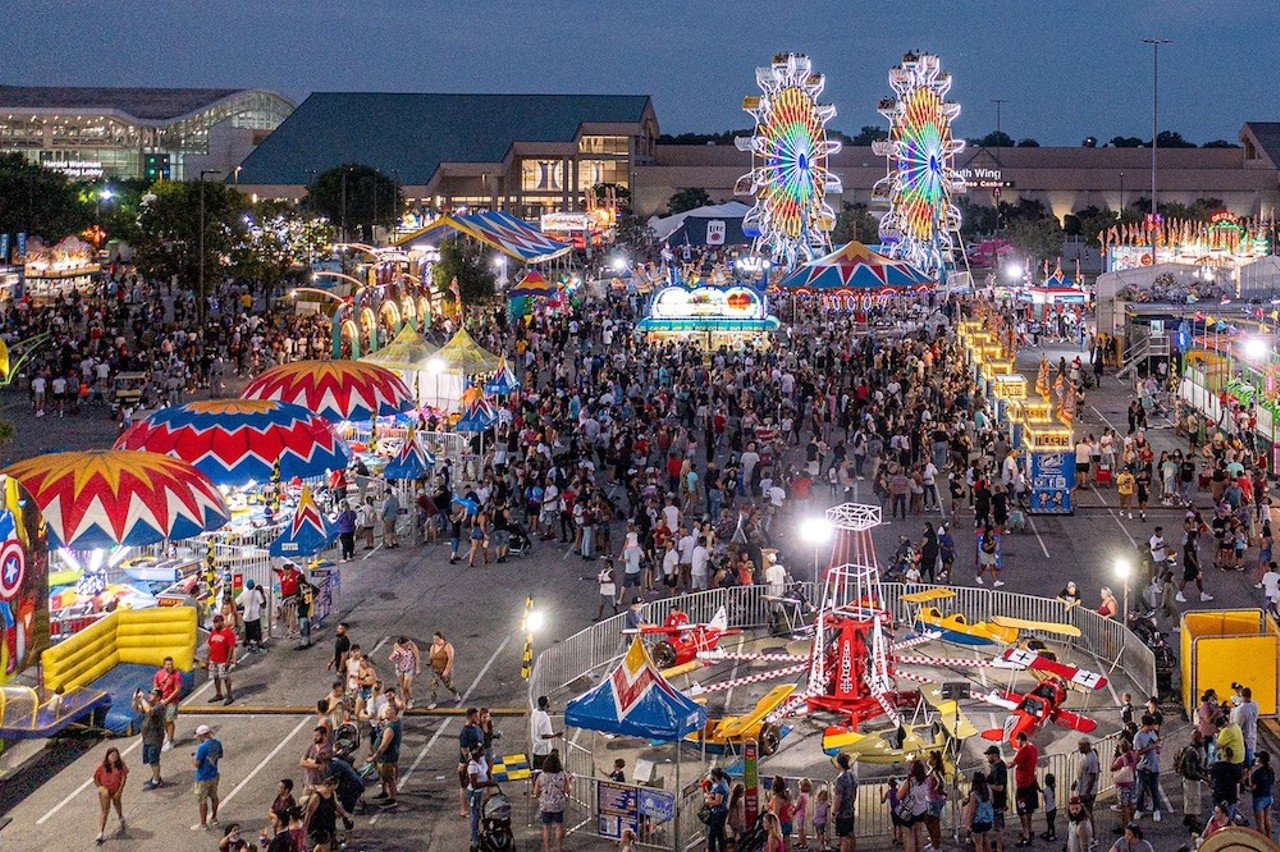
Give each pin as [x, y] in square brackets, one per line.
[290, 578]
[109, 777]
[1024, 784]
[169, 681]
[222, 656]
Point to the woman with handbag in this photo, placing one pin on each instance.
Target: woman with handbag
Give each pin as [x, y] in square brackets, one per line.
[1124, 775]
[913, 805]
[937, 781]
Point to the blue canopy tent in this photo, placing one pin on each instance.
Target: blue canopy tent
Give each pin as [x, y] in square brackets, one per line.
[503, 383]
[635, 700]
[308, 532]
[411, 462]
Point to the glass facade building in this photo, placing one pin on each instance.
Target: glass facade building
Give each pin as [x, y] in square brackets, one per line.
[137, 133]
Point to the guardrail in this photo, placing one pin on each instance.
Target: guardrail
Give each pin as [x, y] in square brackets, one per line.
[589, 651]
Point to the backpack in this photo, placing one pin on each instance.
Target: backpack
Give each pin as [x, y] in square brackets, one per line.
[1180, 761]
[984, 813]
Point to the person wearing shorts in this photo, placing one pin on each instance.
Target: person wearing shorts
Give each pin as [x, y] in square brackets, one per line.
[169, 681]
[205, 758]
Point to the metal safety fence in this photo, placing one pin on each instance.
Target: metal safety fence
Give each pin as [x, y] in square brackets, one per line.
[575, 663]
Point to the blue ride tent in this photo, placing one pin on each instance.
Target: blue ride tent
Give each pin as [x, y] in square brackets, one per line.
[635, 700]
[308, 532]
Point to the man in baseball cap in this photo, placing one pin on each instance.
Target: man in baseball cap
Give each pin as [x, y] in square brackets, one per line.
[205, 759]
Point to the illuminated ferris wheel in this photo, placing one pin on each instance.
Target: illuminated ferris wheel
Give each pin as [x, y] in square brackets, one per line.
[922, 225]
[789, 177]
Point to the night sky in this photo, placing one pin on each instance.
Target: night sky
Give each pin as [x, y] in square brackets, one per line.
[1067, 69]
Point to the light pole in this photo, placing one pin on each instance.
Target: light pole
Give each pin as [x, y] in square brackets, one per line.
[200, 299]
[1120, 212]
[1124, 571]
[1155, 43]
[816, 531]
[998, 102]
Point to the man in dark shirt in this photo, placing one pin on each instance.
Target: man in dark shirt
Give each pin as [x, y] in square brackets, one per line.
[1226, 777]
[341, 645]
[472, 735]
[998, 781]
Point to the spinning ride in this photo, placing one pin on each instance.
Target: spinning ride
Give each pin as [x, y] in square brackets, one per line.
[923, 223]
[789, 177]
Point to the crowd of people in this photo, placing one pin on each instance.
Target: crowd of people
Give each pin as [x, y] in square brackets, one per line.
[670, 469]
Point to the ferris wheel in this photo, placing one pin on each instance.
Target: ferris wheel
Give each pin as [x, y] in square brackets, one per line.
[789, 177]
[923, 223]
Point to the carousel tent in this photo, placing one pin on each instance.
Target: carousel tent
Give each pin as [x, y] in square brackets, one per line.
[499, 230]
[854, 269]
[410, 355]
[636, 701]
[713, 225]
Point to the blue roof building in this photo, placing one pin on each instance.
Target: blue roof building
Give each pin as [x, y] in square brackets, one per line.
[525, 153]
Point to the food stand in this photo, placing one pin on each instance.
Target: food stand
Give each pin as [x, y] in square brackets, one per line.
[711, 317]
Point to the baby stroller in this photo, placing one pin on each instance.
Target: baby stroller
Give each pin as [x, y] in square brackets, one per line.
[495, 825]
[520, 543]
[346, 741]
[754, 839]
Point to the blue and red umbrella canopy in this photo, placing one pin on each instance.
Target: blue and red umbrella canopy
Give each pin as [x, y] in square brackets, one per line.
[338, 390]
[411, 462]
[104, 498]
[504, 382]
[307, 532]
[236, 441]
[479, 415]
[854, 268]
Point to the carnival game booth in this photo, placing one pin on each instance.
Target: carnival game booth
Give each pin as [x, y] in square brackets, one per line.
[59, 270]
[712, 317]
[635, 700]
[96, 506]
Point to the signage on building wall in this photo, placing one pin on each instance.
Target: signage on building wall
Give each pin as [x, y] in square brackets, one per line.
[980, 178]
[88, 169]
[565, 221]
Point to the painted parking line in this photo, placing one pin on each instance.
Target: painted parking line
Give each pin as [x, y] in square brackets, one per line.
[1032, 523]
[306, 720]
[77, 791]
[190, 699]
[404, 779]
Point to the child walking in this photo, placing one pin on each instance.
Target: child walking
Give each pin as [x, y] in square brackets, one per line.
[1050, 793]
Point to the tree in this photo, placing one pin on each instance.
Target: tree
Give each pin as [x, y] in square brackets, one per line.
[1220, 143]
[168, 239]
[468, 262]
[38, 201]
[118, 214]
[355, 198]
[994, 139]
[725, 137]
[976, 220]
[1127, 142]
[1172, 139]
[278, 244]
[1028, 143]
[868, 134]
[687, 199]
[855, 222]
[1040, 239]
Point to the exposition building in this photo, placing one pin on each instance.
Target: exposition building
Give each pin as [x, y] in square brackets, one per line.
[172, 134]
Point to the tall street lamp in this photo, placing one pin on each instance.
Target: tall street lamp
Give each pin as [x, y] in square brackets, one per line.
[816, 531]
[1155, 129]
[200, 297]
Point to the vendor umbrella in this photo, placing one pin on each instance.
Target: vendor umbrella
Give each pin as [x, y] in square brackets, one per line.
[308, 532]
[411, 462]
[104, 498]
[533, 285]
[337, 390]
[503, 382]
[237, 441]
